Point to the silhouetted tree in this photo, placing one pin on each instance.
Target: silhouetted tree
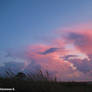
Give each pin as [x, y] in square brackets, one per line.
[20, 75]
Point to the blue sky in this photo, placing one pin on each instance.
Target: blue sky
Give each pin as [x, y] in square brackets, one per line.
[28, 26]
[24, 22]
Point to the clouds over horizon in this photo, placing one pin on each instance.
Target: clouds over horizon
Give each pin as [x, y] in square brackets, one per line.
[68, 57]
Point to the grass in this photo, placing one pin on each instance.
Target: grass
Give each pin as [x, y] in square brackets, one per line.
[41, 82]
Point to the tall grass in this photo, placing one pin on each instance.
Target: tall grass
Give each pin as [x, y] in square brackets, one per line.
[40, 82]
[38, 76]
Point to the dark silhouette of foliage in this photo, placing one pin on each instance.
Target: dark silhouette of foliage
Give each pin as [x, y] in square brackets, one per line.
[20, 76]
[41, 82]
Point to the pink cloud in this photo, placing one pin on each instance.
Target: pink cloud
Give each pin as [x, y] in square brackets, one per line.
[80, 36]
[80, 41]
[68, 56]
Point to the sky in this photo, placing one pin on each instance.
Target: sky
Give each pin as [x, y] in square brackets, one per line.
[46, 34]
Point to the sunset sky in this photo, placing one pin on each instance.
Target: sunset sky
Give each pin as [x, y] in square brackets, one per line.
[52, 35]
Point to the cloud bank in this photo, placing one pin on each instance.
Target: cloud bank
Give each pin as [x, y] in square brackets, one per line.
[68, 57]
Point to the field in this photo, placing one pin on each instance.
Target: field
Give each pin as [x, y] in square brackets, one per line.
[41, 83]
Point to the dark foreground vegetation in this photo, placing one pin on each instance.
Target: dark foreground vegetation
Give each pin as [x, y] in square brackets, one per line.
[41, 83]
